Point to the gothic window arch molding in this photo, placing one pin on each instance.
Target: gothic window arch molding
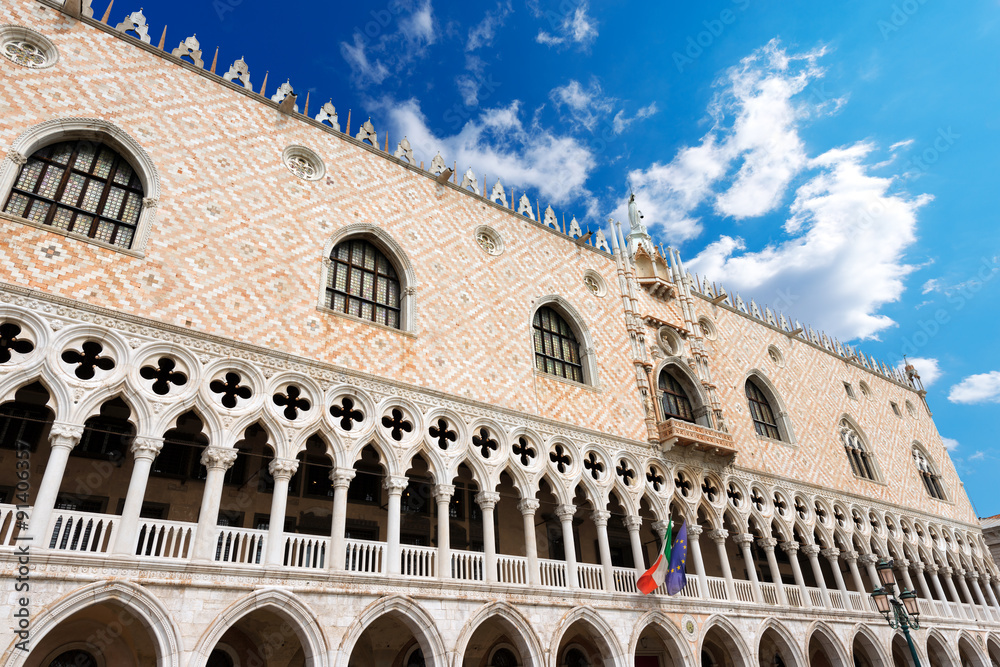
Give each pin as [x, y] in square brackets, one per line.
[859, 454]
[755, 382]
[572, 317]
[677, 370]
[392, 251]
[99, 131]
[928, 472]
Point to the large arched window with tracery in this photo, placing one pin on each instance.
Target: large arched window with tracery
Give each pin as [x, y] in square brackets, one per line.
[80, 186]
[857, 454]
[761, 412]
[557, 351]
[673, 399]
[932, 480]
[363, 282]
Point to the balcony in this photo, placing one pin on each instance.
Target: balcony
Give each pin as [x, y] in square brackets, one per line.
[90, 536]
[685, 434]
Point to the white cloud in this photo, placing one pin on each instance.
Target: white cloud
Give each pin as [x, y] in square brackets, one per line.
[372, 60]
[621, 122]
[900, 144]
[928, 369]
[846, 231]
[982, 388]
[585, 105]
[950, 444]
[978, 456]
[482, 33]
[575, 27]
[932, 285]
[498, 143]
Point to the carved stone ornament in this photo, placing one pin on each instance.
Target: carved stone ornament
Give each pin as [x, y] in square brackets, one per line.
[283, 468]
[438, 165]
[600, 242]
[239, 71]
[524, 207]
[218, 458]
[498, 196]
[284, 90]
[367, 133]
[404, 151]
[135, 22]
[489, 240]
[550, 220]
[190, 48]
[469, 181]
[16, 158]
[146, 447]
[328, 115]
[574, 229]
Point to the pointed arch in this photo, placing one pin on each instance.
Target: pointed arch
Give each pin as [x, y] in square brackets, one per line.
[677, 645]
[578, 325]
[928, 472]
[139, 415]
[968, 645]
[603, 634]
[787, 639]
[783, 422]
[829, 641]
[144, 605]
[392, 250]
[410, 614]
[859, 453]
[731, 636]
[937, 644]
[97, 130]
[682, 374]
[301, 619]
[874, 647]
[522, 635]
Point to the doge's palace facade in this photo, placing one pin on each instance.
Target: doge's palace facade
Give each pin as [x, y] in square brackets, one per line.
[273, 392]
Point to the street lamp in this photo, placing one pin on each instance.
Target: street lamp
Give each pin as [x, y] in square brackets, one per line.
[901, 613]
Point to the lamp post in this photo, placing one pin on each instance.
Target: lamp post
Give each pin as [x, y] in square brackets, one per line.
[901, 613]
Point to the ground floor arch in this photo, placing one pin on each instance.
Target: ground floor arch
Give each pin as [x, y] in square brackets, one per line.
[658, 643]
[393, 632]
[498, 636]
[722, 646]
[584, 639]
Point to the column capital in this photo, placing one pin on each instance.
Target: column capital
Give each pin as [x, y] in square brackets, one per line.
[565, 512]
[65, 435]
[600, 517]
[218, 458]
[632, 522]
[146, 447]
[903, 563]
[444, 492]
[867, 559]
[790, 547]
[810, 549]
[660, 528]
[849, 556]
[960, 572]
[341, 477]
[528, 506]
[946, 570]
[831, 554]
[487, 500]
[743, 539]
[694, 532]
[971, 574]
[767, 543]
[718, 535]
[282, 469]
[932, 568]
[985, 576]
[918, 565]
[395, 484]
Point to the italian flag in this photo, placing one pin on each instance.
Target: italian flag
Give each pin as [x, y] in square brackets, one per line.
[655, 576]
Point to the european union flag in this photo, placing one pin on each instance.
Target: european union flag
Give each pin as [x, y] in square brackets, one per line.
[676, 576]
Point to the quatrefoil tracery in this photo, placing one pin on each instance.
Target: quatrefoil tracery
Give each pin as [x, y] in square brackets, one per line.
[683, 484]
[625, 472]
[485, 442]
[735, 495]
[9, 342]
[440, 432]
[710, 490]
[757, 499]
[594, 465]
[163, 375]
[231, 389]
[779, 505]
[397, 424]
[560, 458]
[524, 451]
[346, 413]
[655, 478]
[87, 359]
[293, 402]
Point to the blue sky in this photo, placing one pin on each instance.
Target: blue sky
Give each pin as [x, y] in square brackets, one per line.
[836, 160]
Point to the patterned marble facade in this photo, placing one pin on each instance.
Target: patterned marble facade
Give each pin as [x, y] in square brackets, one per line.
[207, 459]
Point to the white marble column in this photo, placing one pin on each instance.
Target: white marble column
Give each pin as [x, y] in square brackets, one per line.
[904, 574]
[394, 485]
[832, 556]
[487, 501]
[767, 544]
[217, 460]
[341, 478]
[565, 514]
[719, 536]
[144, 450]
[950, 583]
[868, 561]
[936, 581]
[791, 547]
[281, 470]
[600, 519]
[974, 578]
[744, 540]
[988, 583]
[852, 562]
[633, 523]
[964, 586]
[442, 496]
[528, 507]
[694, 546]
[812, 553]
[922, 580]
[62, 439]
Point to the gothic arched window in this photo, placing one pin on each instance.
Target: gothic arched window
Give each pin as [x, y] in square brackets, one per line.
[363, 282]
[80, 186]
[557, 351]
[857, 454]
[675, 402]
[761, 412]
[932, 480]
